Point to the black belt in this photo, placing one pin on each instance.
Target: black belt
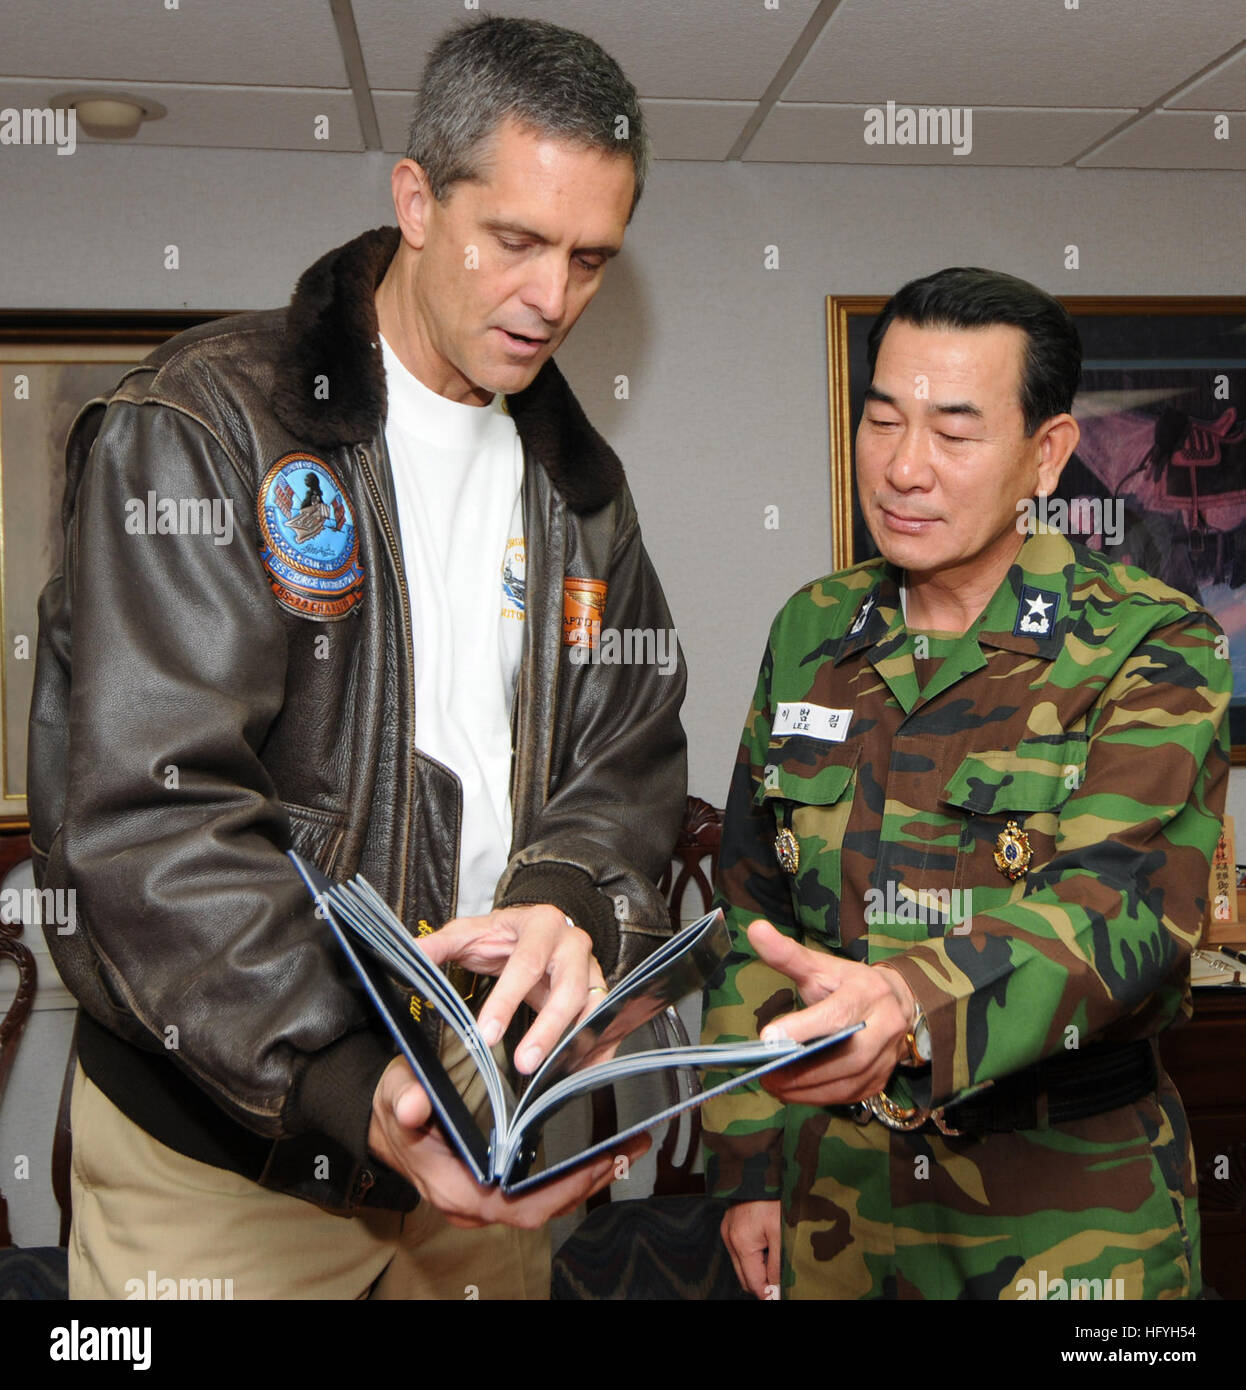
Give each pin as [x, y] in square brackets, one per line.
[1072, 1086]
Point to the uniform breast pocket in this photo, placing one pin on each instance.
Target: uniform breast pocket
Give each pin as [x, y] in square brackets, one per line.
[1011, 800]
[811, 803]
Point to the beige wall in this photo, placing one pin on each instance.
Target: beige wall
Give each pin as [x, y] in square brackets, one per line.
[726, 360]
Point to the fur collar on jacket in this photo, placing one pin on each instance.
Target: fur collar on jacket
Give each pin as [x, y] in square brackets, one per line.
[332, 333]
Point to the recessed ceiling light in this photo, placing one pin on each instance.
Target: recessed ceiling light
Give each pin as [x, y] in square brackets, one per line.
[110, 115]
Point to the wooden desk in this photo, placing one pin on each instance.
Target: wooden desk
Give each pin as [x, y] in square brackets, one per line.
[1207, 1060]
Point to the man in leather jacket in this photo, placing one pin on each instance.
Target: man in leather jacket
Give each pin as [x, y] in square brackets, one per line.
[204, 702]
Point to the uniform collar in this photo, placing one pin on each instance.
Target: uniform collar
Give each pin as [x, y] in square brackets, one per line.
[1028, 613]
[878, 618]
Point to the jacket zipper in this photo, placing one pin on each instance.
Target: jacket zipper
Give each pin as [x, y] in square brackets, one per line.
[525, 656]
[530, 669]
[395, 551]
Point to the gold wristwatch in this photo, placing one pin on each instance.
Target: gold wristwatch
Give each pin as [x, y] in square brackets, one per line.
[917, 1039]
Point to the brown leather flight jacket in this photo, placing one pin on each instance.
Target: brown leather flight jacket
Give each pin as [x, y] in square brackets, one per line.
[188, 726]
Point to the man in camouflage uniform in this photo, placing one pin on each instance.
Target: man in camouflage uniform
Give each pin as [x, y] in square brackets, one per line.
[1008, 799]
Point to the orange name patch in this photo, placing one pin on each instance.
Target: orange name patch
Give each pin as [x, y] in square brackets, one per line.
[583, 603]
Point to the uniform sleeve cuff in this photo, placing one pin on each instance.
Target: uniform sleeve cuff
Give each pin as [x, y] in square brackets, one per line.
[755, 1177]
[940, 1011]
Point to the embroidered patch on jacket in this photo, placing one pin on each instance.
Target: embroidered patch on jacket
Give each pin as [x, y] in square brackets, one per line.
[310, 546]
[583, 603]
[1036, 613]
[514, 579]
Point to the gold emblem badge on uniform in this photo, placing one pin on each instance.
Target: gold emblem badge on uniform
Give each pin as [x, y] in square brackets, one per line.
[1012, 851]
[787, 850]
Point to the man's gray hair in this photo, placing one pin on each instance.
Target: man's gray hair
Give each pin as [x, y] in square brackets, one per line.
[555, 81]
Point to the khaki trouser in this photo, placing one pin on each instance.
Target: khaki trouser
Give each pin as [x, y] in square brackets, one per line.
[149, 1222]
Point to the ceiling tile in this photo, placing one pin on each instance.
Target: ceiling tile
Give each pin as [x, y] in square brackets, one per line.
[704, 49]
[254, 118]
[274, 44]
[1023, 53]
[696, 129]
[1044, 82]
[1174, 140]
[678, 129]
[393, 115]
[1222, 89]
[810, 133]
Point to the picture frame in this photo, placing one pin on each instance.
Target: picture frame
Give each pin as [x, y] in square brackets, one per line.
[51, 364]
[1163, 413]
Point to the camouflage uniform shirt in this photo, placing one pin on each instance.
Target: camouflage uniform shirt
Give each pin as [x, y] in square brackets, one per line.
[1086, 705]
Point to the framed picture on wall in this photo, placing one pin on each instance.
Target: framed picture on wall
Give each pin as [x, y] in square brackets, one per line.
[1158, 479]
[51, 364]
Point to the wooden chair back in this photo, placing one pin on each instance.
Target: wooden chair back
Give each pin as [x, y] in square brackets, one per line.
[13, 849]
[694, 862]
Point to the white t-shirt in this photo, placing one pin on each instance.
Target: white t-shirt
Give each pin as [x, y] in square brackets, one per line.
[458, 478]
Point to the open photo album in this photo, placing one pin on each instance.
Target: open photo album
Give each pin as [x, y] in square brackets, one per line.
[394, 970]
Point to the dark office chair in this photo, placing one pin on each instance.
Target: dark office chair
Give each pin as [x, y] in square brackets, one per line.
[666, 1246]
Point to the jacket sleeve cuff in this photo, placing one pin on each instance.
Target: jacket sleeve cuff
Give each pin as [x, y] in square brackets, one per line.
[571, 891]
[334, 1092]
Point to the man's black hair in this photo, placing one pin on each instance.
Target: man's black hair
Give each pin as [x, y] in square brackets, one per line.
[968, 297]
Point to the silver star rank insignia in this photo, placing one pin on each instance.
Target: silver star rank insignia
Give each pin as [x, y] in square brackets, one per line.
[1036, 613]
[1012, 851]
[787, 849]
